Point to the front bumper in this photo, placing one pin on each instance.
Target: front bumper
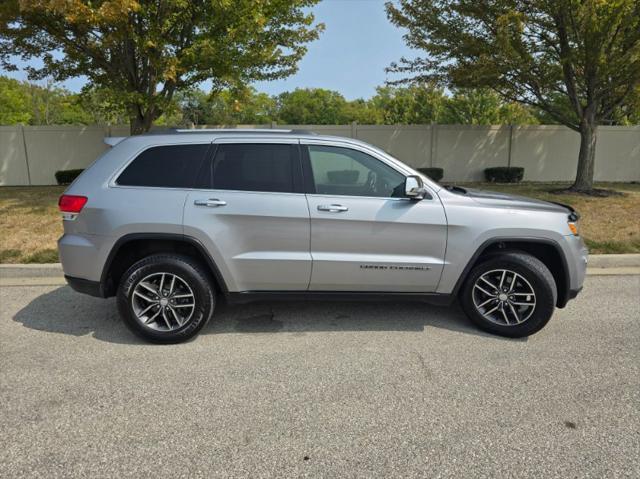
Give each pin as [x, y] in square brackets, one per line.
[577, 256]
[574, 292]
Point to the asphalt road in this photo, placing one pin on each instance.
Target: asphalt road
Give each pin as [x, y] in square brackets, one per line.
[320, 389]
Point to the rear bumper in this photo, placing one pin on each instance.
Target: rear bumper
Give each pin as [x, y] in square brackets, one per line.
[83, 255]
[85, 286]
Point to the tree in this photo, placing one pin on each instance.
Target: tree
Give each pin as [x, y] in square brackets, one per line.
[103, 106]
[533, 52]
[52, 105]
[147, 50]
[240, 106]
[30, 104]
[362, 111]
[312, 106]
[484, 107]
[416, 104]
[15, 102]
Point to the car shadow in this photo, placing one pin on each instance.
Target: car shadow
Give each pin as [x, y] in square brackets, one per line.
[64, 311]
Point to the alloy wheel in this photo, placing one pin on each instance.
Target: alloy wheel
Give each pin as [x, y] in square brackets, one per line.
[504, 297]
[163, 301]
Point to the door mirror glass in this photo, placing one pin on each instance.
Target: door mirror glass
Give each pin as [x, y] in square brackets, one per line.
[414, 187]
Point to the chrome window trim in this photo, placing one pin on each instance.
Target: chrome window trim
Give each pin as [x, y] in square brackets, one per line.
[249, 192]
[317, 195]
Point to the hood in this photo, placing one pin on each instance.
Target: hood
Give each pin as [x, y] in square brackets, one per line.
[492, 198]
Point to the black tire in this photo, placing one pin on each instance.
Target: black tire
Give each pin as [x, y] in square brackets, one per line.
[188, 271]
[534, 272]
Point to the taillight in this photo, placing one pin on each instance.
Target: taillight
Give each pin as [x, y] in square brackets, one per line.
[72, 203]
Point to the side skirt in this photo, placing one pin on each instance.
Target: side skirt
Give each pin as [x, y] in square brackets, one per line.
[253, 296]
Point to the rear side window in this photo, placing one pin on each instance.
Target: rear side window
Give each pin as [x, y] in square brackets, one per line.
[174, 166]
[255, 167]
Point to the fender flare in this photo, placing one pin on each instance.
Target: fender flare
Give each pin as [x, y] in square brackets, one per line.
[562, 300]
[122, 241]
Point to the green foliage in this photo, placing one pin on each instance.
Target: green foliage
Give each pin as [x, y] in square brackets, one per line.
[537, 53]
[435, 174]
[65, 177]
[312, 106]
[504, 174]
[240, 106]
[364, 112]
[416, 104]
[390, 105]
[147, 51]
[30, 104]
[484, 107]
[578, 61]
[103, 106]
[15, 102]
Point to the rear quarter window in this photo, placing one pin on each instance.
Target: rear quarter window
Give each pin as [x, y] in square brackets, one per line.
[171, 166]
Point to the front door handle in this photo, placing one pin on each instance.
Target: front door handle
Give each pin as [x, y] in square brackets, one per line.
[211, 203]
[332, 208]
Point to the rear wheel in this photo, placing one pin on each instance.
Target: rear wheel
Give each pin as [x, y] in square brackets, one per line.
[511, 294]
[166, 298]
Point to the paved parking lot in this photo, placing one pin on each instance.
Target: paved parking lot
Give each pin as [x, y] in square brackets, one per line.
[320, 389]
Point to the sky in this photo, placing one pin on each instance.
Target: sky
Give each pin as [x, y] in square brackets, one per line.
[350, 56]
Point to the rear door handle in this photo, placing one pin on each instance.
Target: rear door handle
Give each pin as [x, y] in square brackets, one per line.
[332, 208]
[211, 203]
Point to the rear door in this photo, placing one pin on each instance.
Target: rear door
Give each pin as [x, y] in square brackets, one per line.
[251, 214]
[365, 234]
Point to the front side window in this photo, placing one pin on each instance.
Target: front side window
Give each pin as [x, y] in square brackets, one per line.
[171, 166]
[254, 167]
[343, 171]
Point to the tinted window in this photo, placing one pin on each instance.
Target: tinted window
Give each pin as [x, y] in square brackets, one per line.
[343, 171]
[172, 166]
[254, 167]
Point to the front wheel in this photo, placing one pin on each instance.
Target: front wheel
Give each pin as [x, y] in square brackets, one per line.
[511, 294]
[166, 298]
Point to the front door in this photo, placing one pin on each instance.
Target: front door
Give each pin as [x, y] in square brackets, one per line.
[252, 216]
[365, 234]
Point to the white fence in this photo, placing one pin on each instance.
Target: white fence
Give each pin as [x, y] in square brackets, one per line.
[31, 155]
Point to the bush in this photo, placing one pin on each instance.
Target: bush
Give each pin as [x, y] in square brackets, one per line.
[435, 174]
[64, 177]
[504, 174]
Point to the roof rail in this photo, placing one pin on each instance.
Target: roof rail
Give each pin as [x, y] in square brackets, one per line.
[273, 131]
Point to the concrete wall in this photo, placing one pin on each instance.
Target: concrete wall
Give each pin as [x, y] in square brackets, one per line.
[31, 155]
[13, 162]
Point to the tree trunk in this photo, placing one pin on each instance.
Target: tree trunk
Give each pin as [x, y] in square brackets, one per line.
[141, 122]
[586, 157]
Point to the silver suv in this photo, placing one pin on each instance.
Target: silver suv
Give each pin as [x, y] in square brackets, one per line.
[170, 223]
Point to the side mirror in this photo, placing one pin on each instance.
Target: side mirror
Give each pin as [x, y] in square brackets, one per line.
[414, 188]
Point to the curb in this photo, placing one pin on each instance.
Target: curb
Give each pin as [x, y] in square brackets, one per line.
[48, 270]
[614, 261]
[598, 264]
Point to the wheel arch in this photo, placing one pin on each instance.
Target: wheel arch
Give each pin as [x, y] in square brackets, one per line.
[135, 246]
[546, 250]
